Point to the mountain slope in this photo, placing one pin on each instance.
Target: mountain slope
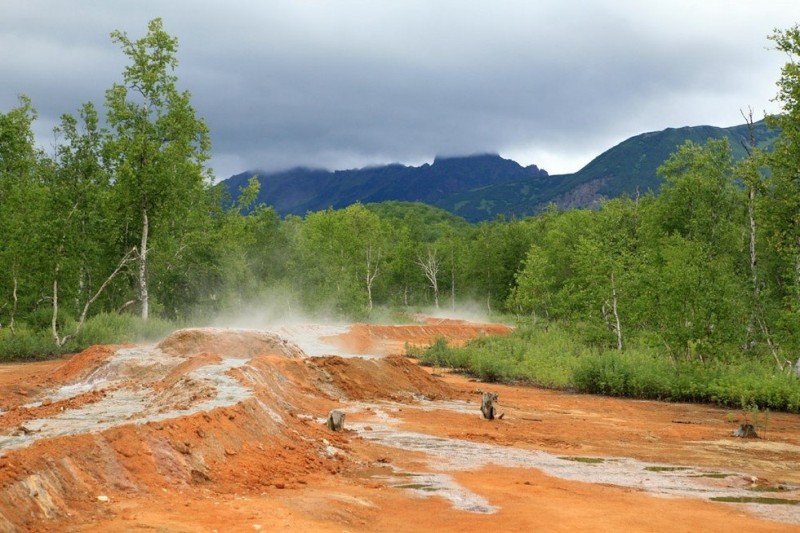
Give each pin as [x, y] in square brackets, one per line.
[481, 187]
[300, 190]
[627, 168]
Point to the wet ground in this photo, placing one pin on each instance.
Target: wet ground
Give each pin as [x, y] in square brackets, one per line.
[224, 430]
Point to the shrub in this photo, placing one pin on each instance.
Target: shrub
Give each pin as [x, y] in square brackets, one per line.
[551, 355]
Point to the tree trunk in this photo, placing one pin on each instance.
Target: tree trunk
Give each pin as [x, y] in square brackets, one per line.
[753, 257]
[754, 310]
[144, 298]
[618, 325]
[430, 266]
[54, 323]
[372, 273]
[12, 324]
[797, 272]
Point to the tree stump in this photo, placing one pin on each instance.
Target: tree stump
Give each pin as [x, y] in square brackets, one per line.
[487, 405]
[336, 420]
[746, 431]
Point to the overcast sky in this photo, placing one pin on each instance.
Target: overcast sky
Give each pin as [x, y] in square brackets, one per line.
[345, 84]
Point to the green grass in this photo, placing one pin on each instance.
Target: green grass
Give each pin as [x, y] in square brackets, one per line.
[29, 344]
[556, 356]
[748, 499]
[107, 328]
[587, 460]
[534, 355]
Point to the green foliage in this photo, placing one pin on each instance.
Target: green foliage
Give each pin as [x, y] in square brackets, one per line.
[156, 149]
[549, 355]
[112, 328]
[27, 344]
[541, 354]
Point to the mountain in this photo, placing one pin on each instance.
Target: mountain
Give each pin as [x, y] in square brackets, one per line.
[300, 190]
[481, 187]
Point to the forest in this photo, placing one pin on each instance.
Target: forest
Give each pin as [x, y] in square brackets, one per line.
[693, 293]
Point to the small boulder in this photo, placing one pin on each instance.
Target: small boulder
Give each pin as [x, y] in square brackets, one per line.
[336, 420]
[746, 431]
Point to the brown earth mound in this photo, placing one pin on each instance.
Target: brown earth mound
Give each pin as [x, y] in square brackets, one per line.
[227, 343]
[370, 338]
[274, 438]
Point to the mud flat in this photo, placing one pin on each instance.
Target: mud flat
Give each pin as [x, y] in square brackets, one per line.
[224, 429]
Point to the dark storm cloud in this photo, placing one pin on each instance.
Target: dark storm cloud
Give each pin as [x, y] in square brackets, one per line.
[350, 83]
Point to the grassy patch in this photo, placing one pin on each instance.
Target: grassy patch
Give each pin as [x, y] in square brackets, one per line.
[29, 343]
[553, 355]
[588, 460]
[713, 475]
[755, 499]
[770, 488]
[417, 486]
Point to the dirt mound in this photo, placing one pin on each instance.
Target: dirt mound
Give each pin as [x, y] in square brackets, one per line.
[393, 339]
[24, 383]
[83, 364]
[392, 378]
[236, 448]
[221, 410]
[227, 343]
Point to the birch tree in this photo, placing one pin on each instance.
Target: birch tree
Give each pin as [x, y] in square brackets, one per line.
[431, 262]
[21, 197]
[158, 144]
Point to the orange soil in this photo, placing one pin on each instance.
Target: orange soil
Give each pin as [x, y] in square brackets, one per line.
[366, 339]
[268, 463]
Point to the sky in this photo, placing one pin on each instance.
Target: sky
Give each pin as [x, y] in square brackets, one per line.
[352, 83]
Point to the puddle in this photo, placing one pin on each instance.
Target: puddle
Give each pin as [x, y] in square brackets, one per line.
[447, 454]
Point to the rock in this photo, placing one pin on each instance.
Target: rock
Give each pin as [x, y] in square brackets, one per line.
[336, 420]
[103, 498]
[487, 405]
[746, 431]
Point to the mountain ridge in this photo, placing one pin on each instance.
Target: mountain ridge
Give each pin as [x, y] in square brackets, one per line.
[482, 186]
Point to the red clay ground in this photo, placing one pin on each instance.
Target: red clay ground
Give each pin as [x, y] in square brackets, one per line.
[246, 448]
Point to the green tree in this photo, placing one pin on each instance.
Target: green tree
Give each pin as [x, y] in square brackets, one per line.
[534, 285]
[696, 278]
[158, 148]
[340, 255]
[608, 263]
[23, 200]
[78, 243]
[782, 195]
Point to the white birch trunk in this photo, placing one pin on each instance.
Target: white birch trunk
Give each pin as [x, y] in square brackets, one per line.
[144, 298]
